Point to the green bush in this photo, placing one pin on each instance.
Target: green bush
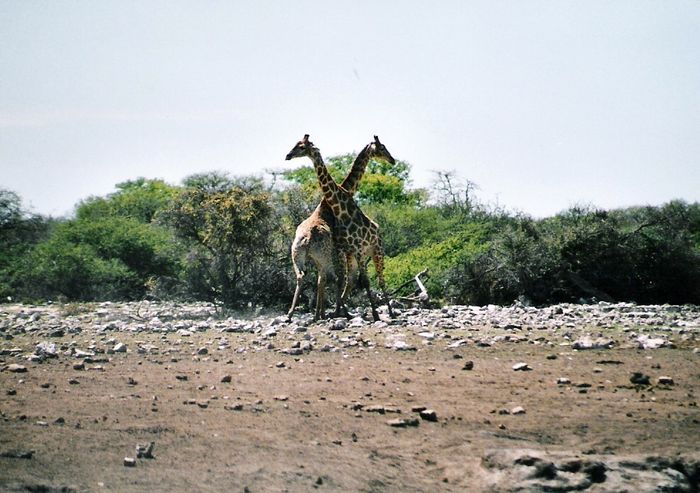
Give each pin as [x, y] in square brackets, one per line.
[112, 258]
[139, 199]
[60, 269]
[19, 232]
[438, 257]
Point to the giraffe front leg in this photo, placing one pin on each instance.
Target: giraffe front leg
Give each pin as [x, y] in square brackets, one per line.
[340, 267]
[297, 292]
[320, 296]
[378, 259]
[350, 276]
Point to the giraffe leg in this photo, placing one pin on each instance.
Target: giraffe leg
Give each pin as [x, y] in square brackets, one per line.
[297, 292]
[378, 259]
[339, 266]
[351, 276]
[320, 296]
[364, 281]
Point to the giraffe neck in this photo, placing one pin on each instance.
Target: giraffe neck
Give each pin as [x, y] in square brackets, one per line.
[359, 166]
[325, 180]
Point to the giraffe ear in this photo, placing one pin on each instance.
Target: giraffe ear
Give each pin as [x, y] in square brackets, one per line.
[376, 140]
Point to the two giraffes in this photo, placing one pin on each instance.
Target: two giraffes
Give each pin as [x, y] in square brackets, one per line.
[338, 237]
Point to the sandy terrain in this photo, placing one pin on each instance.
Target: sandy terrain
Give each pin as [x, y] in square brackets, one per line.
[261, 405]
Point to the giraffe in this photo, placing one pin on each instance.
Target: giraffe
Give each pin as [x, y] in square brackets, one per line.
[356, 237]
[313, 237]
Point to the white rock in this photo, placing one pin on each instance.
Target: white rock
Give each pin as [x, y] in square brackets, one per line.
[587, 342]
[15, 368]
[646, 342]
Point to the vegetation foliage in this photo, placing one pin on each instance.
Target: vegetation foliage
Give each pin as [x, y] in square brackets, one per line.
[226, 240]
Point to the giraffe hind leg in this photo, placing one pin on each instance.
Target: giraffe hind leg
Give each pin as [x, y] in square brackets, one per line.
[364, 281]
[378, 259]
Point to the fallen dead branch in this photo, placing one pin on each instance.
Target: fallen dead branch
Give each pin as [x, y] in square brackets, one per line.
[420, 294]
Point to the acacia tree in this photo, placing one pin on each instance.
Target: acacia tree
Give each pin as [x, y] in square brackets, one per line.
[231, 231]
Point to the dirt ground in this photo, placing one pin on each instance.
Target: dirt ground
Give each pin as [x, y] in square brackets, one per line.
[344, 420]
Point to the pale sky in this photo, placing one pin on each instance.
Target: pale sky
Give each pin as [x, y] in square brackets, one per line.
[543, 104]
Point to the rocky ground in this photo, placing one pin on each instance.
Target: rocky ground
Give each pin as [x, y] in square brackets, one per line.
[171, 397]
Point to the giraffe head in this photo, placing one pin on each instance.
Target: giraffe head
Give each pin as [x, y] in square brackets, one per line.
[302, 148]
[379, 152]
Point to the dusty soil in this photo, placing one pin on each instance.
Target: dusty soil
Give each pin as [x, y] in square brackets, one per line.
[328, 420]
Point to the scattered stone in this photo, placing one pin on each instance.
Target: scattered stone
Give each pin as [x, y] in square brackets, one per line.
[182, 378]
[46, 349]
[552, 356]
[563, 381]
[428, 415]
[15, 368]
[18, 454]
[400, 345]
[663, 380]
[234, 407]
[145, 451]
[131, 381]
[281, 398]
[73, 381]
[521, 367]
[83, 354]
[120, 348]
[202, 351]
[517, 410]
[11, 392]
[339, 324]
[403, 422]
[79, 366]
[129, 462]
[226, 379]
[375, 409]
[588, 342]
[280, 364]
[457, 343]
[392, 409]
[468, 365]
[646, 342]
[638, 378]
